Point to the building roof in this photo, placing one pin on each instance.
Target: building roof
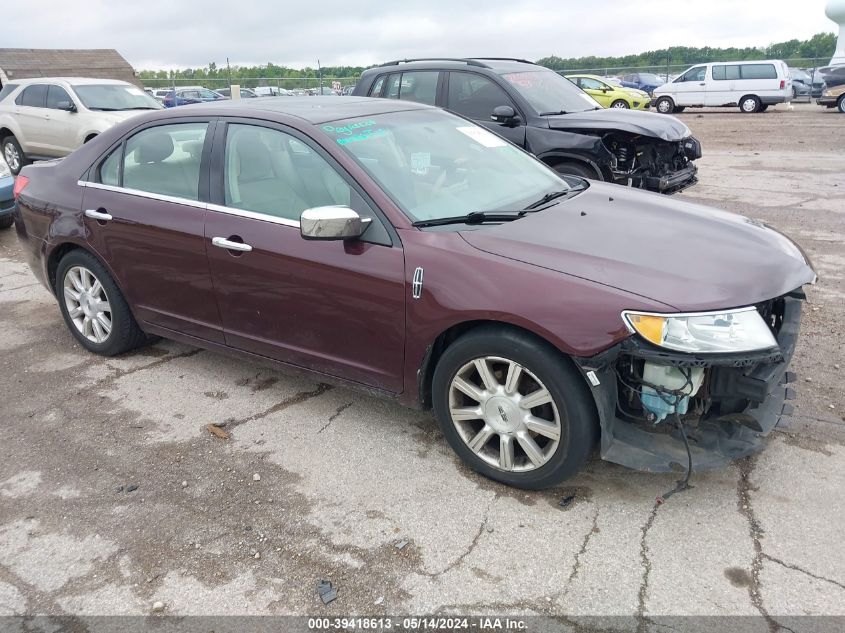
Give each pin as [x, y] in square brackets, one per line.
[103, 63]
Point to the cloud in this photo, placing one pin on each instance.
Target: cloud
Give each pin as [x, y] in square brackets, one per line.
[191, 33]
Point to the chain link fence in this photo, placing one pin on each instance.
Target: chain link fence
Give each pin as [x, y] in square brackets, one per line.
[676, 69]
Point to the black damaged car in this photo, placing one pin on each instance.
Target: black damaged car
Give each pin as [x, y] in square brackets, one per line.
[549, 116]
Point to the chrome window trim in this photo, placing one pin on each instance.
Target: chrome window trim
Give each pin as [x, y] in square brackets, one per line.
[253, 215]
[143, 194]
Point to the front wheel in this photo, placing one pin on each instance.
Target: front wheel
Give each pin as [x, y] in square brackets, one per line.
[620, 103]
[664, 105]
[749, 105]
[513, 408]
[6, 221]
[840, 105]
[93, 306]
[575, 169]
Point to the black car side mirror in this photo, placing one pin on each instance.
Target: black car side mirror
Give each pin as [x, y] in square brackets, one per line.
[67, 106]
[505, 115]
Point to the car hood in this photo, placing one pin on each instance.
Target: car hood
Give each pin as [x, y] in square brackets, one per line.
[118, 117]
[685, 256]
[662, 126]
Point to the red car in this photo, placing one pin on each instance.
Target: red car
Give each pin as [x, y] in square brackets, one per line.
[404, 250]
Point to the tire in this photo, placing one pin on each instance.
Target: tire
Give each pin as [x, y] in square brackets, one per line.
[13, 155]
[794, 93]
[565, 408]
[763, 108]
[7, 221]
[79, 267]
[620, 103]
[575, 169]
[678, 109]
[664, 105]
[840, 105]
[749, 104]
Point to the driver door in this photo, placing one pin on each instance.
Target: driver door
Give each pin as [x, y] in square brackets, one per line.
[690, 89]
[475, 97]
[596, 90]
[336, 307]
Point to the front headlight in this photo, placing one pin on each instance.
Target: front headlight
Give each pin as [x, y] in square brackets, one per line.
[825, 93]
[726, 331]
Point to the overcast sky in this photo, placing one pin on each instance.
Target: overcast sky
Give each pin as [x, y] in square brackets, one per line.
[154, 34]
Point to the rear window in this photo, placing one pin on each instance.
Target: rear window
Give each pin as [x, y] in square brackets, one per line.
[758, 71]
[6, 90]
[34, 96]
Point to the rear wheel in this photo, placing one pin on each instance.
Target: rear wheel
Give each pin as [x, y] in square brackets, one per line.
[6, 221]
[840, 105]
[749, 104]
[93, 307]
[13, 155]
[513, 408]
[620, 103]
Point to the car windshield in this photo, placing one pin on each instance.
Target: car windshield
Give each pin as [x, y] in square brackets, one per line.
[648, 78]
[549, 93]
[115, 97]
[435, 165]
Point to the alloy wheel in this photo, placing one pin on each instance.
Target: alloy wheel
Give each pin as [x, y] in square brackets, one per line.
[504, 414]
[12, 157]
[620, 104]
[87, 304]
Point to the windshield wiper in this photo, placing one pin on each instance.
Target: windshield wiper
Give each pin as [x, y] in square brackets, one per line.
[476, 217]
[553, 113]
[553, 195]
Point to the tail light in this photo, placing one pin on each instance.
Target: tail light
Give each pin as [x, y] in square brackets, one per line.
[20, 183]
[782, 84]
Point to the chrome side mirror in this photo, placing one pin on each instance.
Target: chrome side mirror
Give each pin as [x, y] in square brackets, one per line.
[332, 223]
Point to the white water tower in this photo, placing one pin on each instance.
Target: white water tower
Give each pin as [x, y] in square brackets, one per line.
[835, 10]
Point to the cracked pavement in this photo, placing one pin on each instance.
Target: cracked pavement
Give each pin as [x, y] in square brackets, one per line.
[343, 477]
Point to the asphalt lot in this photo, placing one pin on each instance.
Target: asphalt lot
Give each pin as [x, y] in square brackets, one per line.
[344, 478]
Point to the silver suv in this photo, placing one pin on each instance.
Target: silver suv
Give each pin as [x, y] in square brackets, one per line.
[49, 117]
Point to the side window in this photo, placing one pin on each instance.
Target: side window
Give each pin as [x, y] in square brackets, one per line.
[695, 74]
[590, 84]
[726, 72]
[375, 91]
[166, 160]
[393, 82]
[34, 96]
[109, 173]
[758, 71]
[474, 96]
[57, 95]
[419, 86]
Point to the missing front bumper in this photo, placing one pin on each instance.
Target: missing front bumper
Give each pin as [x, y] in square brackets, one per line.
[718, 436]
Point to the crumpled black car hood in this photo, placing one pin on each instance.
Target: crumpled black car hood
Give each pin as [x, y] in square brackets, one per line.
[661, 126]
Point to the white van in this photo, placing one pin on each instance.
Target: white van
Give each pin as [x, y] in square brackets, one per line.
[753, 86]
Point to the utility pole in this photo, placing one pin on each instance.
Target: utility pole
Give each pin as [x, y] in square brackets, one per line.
[668, 57]
[320, 70]
[229, 73]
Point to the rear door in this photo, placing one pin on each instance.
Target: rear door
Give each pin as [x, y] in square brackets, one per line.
[145, 209]
[475, 96]
[329, 306]
[31, 117]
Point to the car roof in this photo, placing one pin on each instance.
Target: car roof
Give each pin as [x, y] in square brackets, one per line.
[314, 110]
[496, 65]
[602, 79]
[73, 81]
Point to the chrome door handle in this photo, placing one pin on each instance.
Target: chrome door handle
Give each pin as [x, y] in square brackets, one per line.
[97, 215]
[222, 242]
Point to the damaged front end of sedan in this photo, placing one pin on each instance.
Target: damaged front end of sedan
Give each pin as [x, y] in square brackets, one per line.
[670, 398]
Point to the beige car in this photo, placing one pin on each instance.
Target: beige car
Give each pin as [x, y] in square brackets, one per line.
[833, 98]
[49, 117]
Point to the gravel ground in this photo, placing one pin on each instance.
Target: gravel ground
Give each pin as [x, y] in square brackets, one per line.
[115, 496]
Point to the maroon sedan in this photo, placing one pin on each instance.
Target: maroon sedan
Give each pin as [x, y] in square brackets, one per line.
[404, 250]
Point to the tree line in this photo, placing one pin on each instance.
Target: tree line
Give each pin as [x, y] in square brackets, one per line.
[819, 46]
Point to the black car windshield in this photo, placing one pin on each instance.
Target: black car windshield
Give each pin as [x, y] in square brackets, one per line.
[115, 97]
[436, 165]
[549, 93]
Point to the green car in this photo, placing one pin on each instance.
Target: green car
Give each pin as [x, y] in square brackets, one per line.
[610, 96]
